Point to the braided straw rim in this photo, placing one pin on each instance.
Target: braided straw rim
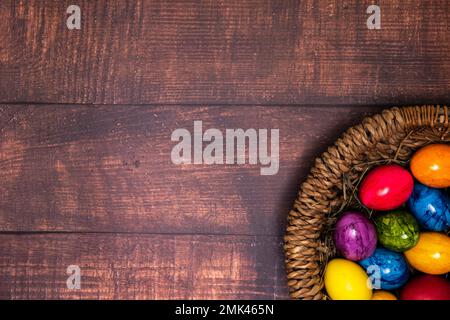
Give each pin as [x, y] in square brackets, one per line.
[391, 136]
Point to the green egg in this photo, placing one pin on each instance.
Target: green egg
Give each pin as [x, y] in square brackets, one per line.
[397, 230]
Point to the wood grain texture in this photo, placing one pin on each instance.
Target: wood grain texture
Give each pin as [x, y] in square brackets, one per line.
[108, 169]
[115, 266]
[229, 52]
[95, 186]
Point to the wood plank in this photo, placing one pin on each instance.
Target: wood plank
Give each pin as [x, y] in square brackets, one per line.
[108, 168]
[117, 266]
[231, 52]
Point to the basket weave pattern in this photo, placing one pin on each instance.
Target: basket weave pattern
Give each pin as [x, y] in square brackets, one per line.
[391, 136]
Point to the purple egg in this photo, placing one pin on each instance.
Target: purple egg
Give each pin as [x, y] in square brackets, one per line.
[355, 236]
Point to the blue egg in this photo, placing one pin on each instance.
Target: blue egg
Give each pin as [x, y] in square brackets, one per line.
[387, 269]
[431, 207]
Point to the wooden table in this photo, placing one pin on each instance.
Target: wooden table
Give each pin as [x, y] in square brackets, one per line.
[86, 118]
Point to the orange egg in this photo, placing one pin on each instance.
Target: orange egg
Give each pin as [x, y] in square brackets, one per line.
[431, 165]
[383, 295]
[431, 254]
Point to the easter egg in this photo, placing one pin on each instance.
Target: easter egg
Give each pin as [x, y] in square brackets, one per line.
[397, 230]
[355, 236]
[431, 254]
[386, 187]
[383, 295]
[426, 287]
[431, 165]
[431, 207]
[346, 280]
[389, 267]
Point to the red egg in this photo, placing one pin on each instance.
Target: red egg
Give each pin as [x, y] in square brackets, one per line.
[386, 187]
[426, 287]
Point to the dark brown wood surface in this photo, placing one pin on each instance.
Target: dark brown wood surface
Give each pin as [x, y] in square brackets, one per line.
[109, 169]
[117, 266]
[86, 117]
[95, 187]
[230, 51]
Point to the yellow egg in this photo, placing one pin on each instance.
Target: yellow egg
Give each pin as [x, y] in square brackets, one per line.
[431, 254]
[383, 295]
[431, 165]
[346, 280]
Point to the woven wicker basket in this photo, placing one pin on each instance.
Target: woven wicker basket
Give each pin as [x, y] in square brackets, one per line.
[331, 185]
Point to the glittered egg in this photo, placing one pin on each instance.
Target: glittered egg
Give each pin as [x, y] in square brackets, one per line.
[383, 295]
[397, 230]
[388, 269]
[431, 254]
[431, 165]
[426, 287]
[386, 187]
[346, 280]
[355, 236]
[431, 207]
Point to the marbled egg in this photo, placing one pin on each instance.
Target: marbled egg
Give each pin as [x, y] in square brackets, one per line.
[397, 230]
[388, 270]
[355, 236]
[386, 187]
[431, 165]
[431, 207]
[431, 254]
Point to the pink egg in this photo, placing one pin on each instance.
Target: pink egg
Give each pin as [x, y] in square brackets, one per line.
[386, 187]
